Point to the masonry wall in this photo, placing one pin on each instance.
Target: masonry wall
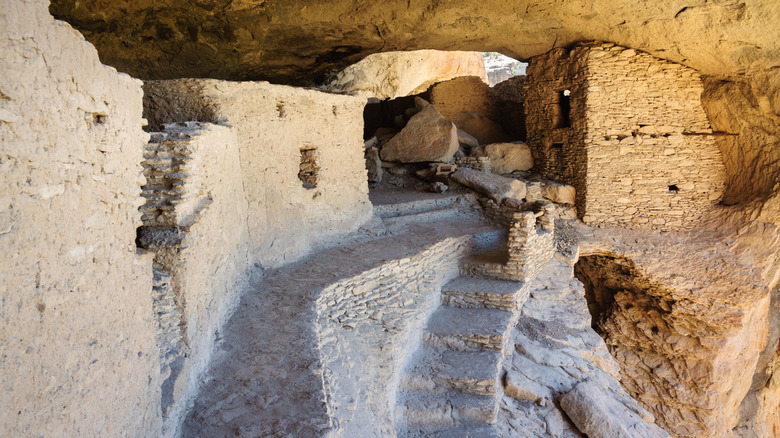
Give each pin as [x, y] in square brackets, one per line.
[194, 169]
[559, 151]
[77, 336]
[273, 125]
[639, 149]
[367, 327]
[652, 162]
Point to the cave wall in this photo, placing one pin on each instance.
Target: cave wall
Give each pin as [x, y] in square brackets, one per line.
[391, 75]
[76, 327]
[689, 363]
[631, 136]
[747, 112]
[298, 41]
[277, 128]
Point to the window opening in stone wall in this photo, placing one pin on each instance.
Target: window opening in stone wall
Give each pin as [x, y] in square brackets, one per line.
[308, 169]
[557, 146]
[563, 109]
[673, 188]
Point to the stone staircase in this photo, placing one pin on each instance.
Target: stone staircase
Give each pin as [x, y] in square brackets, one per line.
[451, 385]
[424, 208]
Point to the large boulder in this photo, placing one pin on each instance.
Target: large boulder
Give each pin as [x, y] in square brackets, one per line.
[508, 157]
[558, 193]
[496, 187]
[466, 139]
[598, 414]
[427, 137]
[481, 127]
[463, 94]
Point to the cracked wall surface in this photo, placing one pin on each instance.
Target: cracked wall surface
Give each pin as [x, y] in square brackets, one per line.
[77, 338]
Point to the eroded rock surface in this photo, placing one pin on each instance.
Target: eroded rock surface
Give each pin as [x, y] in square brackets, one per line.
[555, 352]
[297, 41]
[396, 74]
[427, 137]
[496, 187]
[685, 315]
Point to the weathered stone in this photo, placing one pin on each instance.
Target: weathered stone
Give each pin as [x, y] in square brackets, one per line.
[374, 166]
[482, 128]
[463, 94]
[303, 42]
[558, 193]
[438, 187]
[427, 137]
[508, 157]
[496, 187]
[160, 237]
[395, 74]
[466, 139]
[598, 415]
[420, 103]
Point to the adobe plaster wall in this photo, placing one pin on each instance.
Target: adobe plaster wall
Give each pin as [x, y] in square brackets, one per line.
[209, 268]
[273, 123]
[77, 337]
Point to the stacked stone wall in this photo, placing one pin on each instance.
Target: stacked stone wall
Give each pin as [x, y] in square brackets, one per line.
[477, 163]
[530, 243]
[367, 326]
[273, 124]
[559, 151]
[77, 336]
[637, 145]
[652, 158]
[206, 266]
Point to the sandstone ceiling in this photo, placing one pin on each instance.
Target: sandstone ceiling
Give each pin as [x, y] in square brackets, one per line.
[301, 42]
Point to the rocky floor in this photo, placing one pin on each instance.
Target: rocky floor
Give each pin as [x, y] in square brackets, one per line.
[266, 377]
[561, 380]
[483, 357]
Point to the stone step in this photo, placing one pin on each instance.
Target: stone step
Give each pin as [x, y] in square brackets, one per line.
[462, 329]
[490, 240]
[468, 431]
[394, 223]
[445, 410]
[471, 292]
[469, 372]
[431, 202]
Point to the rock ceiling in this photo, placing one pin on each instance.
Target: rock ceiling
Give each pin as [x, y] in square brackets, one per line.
[301, 42]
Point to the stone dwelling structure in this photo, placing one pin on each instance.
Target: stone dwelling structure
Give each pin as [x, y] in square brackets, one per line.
[628, 131]
[133, 216]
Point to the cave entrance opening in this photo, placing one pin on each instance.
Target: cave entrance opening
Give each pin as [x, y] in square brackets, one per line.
[470, 109]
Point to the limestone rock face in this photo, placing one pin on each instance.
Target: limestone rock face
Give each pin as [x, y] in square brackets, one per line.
[427, 137]
[508, 157]
[746, 111]
[396, 74]
[300, 41]
[483, 128]
[689, 326]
